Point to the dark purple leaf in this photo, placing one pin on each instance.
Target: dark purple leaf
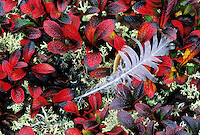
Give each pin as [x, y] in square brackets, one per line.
[165, 112]
[143, 109]
[90, 124]
[134, 21]
[2, 11]
[92, 10]
[32, 33]
[124, 91]
[150, 128]
[119, 103]
[116, 7]
[169, 131]
[126, 119]
[169, 123]
[100, 72]
[191, 123]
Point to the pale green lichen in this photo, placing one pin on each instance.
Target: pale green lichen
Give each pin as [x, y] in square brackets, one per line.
[48, 122]
[11, 41]
[111, 121]
[122, 30]
[156, 99]
[16, 107]
[190, 91]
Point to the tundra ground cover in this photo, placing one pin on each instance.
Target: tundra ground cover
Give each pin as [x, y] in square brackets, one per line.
[99, 67]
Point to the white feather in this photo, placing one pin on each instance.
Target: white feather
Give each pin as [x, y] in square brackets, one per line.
[133, 66]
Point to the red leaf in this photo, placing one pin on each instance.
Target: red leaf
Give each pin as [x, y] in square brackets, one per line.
[100, 72]
[92, 60]
[143, 109]
[115, 131]
[125, 119]
[34, 112]
[168, 6]
[23, 42]
[116, 7]
[75, 20]
[169, 78]
[79, 120]
[17, 95]
[2, 73]
[7, 68]
[75, 46]
[150, 88]
[26, 131]
[147, 30]
[179, 25]
[53, 29]
[28, 51]
[181, 79]
[144, 8]
[4, 86]
[32, 33]
[90, 124]
[54, 13]
[70, 106]
[102, 4]
[14, 57]
[62, 5]
[72, 131]
[17, 74]
[43, 68]
[195, 82]
[162, 70]
[37, 103]
[9, 5]
[1, 32]
[35, 91]
[110, 39]
[119, 43]
[95, 101]
[21, 64]
[135, 82]
[89, 32]
[166, 61]
[70, 31]
[57, 47]
[190, 52]
[63, 95]
[104, 29]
